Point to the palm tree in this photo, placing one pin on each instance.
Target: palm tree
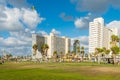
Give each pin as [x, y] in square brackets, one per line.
[103, 52]
[115, 50]
[67, 55]
[90, 56]
[44, 49]
[8, 56]
[114, 47]
[114, 39]
[78, 49]
[107, 51]
[35, 48]
[61, 55]
[82, 52]
[55, 56]
[73, 55]
[98, 53]
[69, 51]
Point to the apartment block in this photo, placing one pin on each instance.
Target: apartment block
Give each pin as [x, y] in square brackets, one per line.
[99, 35]
[55, 43]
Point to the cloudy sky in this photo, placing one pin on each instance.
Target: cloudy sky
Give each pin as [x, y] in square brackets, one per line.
[64, 17]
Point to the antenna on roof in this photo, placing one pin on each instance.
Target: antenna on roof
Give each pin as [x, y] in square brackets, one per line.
[33, 8]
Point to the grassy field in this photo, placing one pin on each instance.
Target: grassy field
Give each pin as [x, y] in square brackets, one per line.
[58, 71]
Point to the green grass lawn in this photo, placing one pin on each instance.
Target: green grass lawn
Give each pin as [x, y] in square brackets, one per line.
[58, 71]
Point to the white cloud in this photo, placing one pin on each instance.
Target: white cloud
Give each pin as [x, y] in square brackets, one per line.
[9, 19]
[11, 42]
[19, 3]
[83, 22]
[96, 6]
[79, 23]
[22, 35]
[17, 39]
[114, 24]
[18, 42]
[66, 17]
[42, 32]
[54, 31]
[20, 22]
[31, 18]
[16, 3]
[13, 19]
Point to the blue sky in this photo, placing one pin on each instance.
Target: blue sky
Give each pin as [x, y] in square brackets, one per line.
[64, 17]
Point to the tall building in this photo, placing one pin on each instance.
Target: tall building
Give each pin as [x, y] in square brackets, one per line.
[96, 34]
[76, 45]
[55, 43]
[100, 36]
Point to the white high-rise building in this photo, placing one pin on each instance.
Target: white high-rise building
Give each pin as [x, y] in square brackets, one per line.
[100, 36]
[55, 43]
[96, 34]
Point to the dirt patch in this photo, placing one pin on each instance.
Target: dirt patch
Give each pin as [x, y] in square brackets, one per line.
[107, 69]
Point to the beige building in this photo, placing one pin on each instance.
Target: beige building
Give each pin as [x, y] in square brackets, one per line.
[55, 43]
[107, 38]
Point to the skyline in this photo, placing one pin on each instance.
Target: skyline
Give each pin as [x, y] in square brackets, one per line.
[67, 18]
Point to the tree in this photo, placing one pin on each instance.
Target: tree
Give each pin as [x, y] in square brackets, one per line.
[78, 49]
[35, 48]
[103, 52]
[115, 50]
[73, 55]
[44, 49]
[55, 55]
[67, 55]
[82, 52]
[69, 51]
[114, 41]
[8, 56]
[98, 52]
[107, 51]
[61, 54]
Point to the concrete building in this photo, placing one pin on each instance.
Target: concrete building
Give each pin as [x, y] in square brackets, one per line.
[39, 40]
[76, 44]
[107, 38]
[96, 34]
[55, 43]
[100, 36]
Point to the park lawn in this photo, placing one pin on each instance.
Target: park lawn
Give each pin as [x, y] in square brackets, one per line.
[58, 71]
